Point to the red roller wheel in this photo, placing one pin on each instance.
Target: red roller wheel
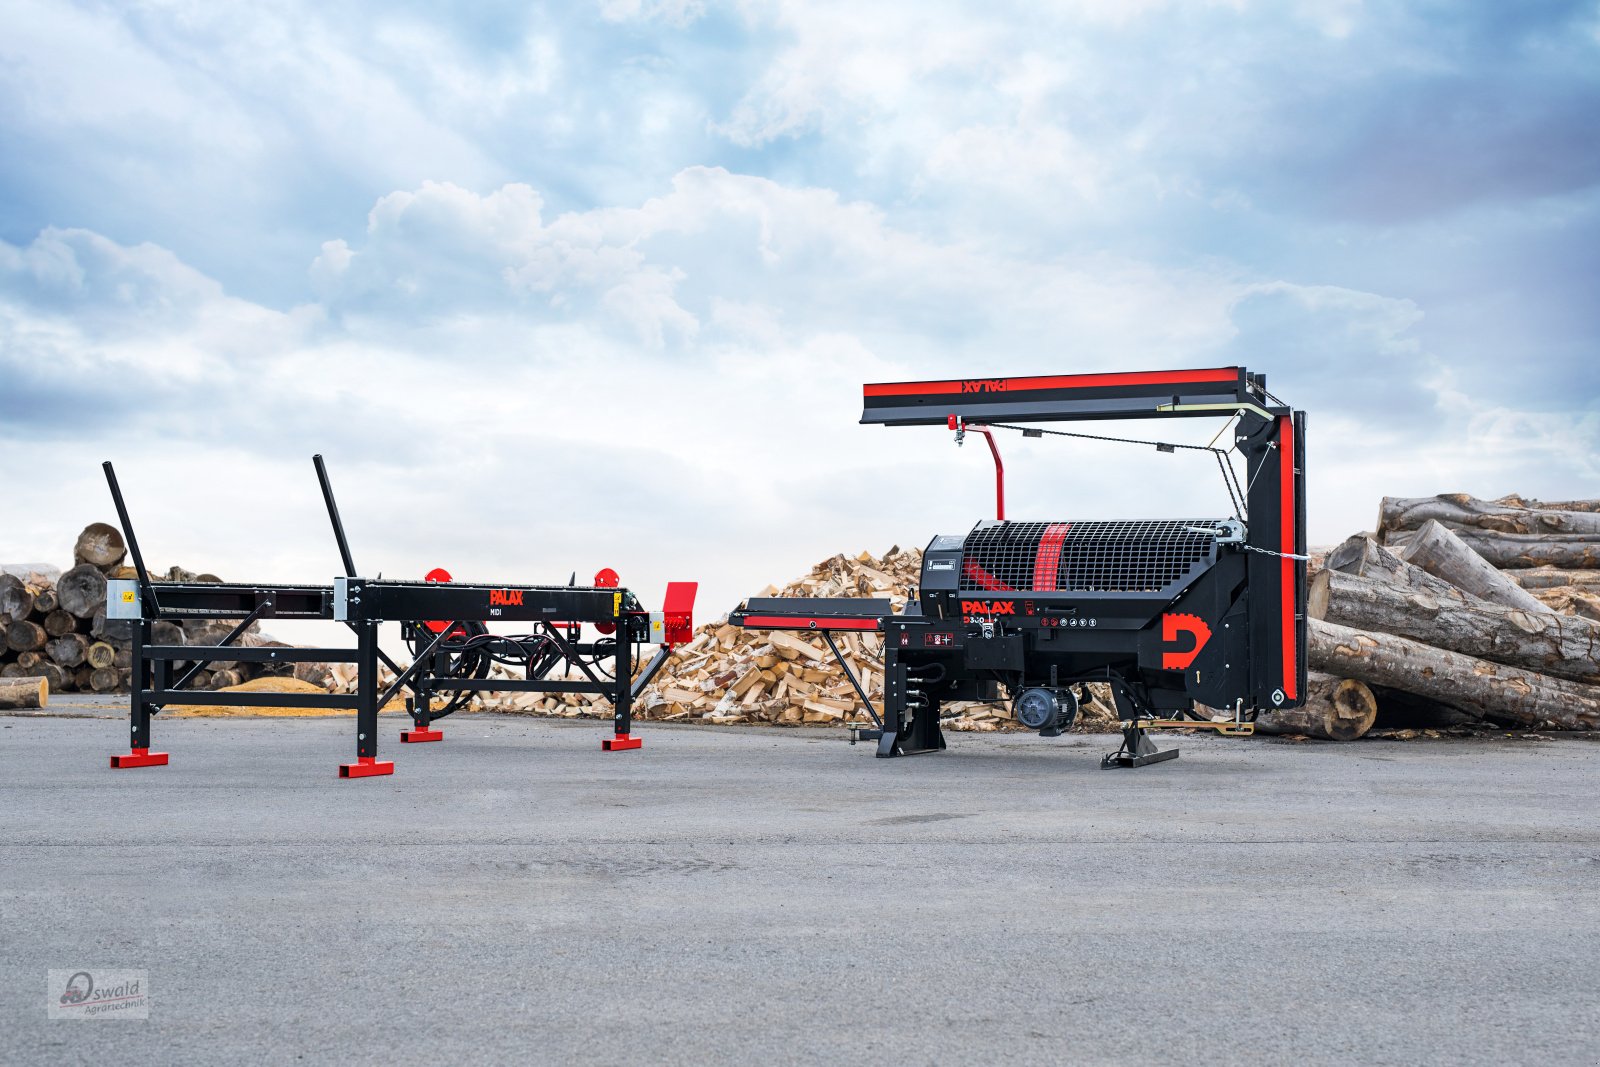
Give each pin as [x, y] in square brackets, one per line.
[606, 578]
[438, 574]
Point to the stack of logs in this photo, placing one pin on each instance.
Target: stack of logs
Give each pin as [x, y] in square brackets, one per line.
[55, 627]
[1457, 612]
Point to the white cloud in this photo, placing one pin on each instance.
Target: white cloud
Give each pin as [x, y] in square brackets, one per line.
[671, 12]
[472, 427]
[627, 264]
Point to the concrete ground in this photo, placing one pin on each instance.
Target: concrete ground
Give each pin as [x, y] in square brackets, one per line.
[514, 894]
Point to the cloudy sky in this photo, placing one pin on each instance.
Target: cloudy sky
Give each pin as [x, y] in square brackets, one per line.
[557, 287]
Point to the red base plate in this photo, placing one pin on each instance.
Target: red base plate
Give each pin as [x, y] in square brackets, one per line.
[140, 757]
[620, 742]
[365, 767]
[412, 736]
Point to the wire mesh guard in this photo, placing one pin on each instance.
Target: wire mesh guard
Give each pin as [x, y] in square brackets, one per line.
[1086, 557]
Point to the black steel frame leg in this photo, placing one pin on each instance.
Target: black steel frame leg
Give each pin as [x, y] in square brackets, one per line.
[421, 704]
[367, 764]
[622, 738]
[926, 735]
[144, 679]
[894, 706]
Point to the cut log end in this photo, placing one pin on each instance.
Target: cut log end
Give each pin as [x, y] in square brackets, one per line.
[1336, 709]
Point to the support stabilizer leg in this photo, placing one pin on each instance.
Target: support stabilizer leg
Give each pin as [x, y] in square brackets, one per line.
[1136, 751]
[420, 730]
[365, 767]
[139, 757]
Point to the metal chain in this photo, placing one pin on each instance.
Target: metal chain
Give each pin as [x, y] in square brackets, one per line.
[1035, 431]
[1269, 552]
[1230, 478]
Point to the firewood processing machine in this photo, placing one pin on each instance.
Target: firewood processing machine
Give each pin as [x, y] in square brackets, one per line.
[444, 623]
[1166, 613]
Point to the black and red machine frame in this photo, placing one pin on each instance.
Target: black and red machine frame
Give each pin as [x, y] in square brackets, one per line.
[1167, 613]
[445, 623]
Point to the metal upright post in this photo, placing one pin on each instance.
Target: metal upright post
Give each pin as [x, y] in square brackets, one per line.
[422, 702]
[894, 703]
[367, 763]
[622, 694]
[139, 754]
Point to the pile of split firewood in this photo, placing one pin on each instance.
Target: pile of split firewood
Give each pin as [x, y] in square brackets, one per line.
[1457, 612]
[726, 674]
[55, 637]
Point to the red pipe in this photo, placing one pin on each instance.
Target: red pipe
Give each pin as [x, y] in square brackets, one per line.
[999, 475]
[960, 425]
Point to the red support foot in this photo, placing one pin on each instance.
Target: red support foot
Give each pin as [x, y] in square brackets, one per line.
[620, 742]
[365, 767]
[140, 757]
[421, 734]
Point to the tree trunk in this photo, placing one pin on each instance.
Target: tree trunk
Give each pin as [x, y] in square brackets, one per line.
[16, 599]
[25, 636]
[163, 632]
[1504, 694]
[223, 678]
[100, 655]
[45, 600]
[1365, 558]
[24, 693]
[123, 659]
[69, 650]
[113, 630]
[1520, 551]
[1444, 555]
[1458, 509]
[104, 680]
[80, 677]
[99, 545]
[1336, 709]
[60, 622]
[1515, 501]
[1561, 645]
[26, 660]
[1554, 577]
[1568, 601]
[54, 676]
[82, 591]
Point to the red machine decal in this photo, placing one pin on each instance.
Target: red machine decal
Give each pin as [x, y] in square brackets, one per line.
[1286, 507]
[438, 574]
[988, 607]
[1175, 623]
[1058, 381]
[983, 579]
[1048, 559]
[505, 598]
[808, 622]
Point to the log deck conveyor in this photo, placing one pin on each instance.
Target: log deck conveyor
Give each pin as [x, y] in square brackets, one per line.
[444, 623]
[1167, 613]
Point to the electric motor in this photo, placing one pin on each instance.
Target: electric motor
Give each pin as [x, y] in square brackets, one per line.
[1046, 710]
